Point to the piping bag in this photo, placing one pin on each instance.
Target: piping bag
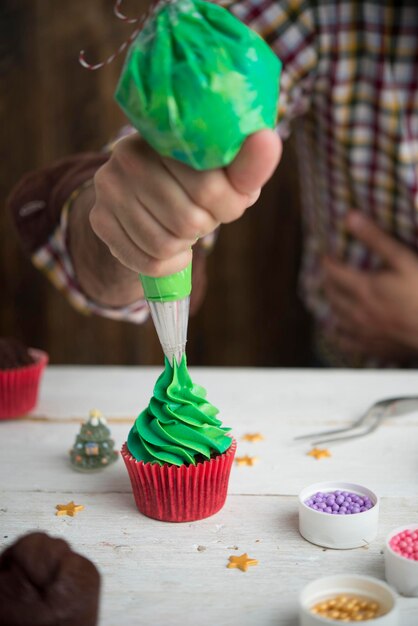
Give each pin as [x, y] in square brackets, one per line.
[195, 84]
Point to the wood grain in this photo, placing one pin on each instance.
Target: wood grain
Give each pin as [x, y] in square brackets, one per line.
[175, 574]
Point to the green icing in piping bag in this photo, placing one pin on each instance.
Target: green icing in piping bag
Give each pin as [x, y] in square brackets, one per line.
[196, 82]
[168, 288]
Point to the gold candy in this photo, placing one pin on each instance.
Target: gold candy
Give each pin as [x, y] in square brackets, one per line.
[69, 509]
[241, 562]
[344, 608]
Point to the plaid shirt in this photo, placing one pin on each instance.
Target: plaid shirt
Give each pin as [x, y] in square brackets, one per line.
[54, 260]
[350, 77]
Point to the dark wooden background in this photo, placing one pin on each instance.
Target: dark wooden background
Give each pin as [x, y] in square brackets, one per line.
[50, 107]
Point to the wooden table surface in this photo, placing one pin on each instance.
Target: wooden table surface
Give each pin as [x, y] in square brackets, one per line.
[159, 574]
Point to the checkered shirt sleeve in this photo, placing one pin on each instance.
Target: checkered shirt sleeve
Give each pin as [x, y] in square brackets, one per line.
[54, 260]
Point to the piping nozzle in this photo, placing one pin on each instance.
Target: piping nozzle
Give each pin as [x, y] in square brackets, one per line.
[169, 300]
[170, 321]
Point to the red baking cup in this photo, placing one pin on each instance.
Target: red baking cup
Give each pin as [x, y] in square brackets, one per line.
[180, 494]
[19, 386]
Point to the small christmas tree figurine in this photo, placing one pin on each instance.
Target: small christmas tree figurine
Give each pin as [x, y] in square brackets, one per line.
[93, 447]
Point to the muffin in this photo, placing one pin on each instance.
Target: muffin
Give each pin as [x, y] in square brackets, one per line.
[178, 454]
[20, 374]
[44, 583]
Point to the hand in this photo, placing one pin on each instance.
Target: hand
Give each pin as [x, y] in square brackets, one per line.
[376, 311]
[101, 276]
[149, 210]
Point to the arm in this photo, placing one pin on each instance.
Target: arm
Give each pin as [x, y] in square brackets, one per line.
[40, 205]
[76, 260]
[293, 43]
[101, 276]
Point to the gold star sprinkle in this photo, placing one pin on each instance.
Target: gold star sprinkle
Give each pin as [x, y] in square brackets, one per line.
[70, 509]
[246, 460]
[241, 562]
[319, 453]
[95, 413]
[253, 437]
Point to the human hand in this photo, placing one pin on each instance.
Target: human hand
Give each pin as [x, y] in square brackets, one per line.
[376, 311]
[149, 210]
[101, 276]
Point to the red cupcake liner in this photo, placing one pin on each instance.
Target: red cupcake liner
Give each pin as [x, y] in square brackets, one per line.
[180, 494]
[19, 387]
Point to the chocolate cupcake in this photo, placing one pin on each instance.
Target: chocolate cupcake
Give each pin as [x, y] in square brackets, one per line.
[13, 354]
[44, 583]
[20, 374]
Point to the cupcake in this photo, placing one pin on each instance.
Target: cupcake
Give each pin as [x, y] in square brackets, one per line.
[20, 374]
[44, 583]
[178, 454]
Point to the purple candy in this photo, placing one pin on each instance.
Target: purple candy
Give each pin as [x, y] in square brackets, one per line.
[339, 502]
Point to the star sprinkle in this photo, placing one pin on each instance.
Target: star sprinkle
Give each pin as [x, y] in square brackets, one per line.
[319, 453]
[246, 460]
[241, 562]
[70, 509]
[253, 437]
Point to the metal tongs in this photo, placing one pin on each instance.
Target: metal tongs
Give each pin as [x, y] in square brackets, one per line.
[368, 422]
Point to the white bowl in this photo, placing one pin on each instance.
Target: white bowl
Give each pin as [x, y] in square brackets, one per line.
[330, 586]
[338, 531]
[400, 572]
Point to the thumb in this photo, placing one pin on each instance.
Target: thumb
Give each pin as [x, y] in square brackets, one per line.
[255, 162]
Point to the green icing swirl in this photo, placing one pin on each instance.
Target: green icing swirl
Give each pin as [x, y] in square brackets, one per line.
[179, 424]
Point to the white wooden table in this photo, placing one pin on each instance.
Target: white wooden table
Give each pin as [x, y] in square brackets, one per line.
[175, 574]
